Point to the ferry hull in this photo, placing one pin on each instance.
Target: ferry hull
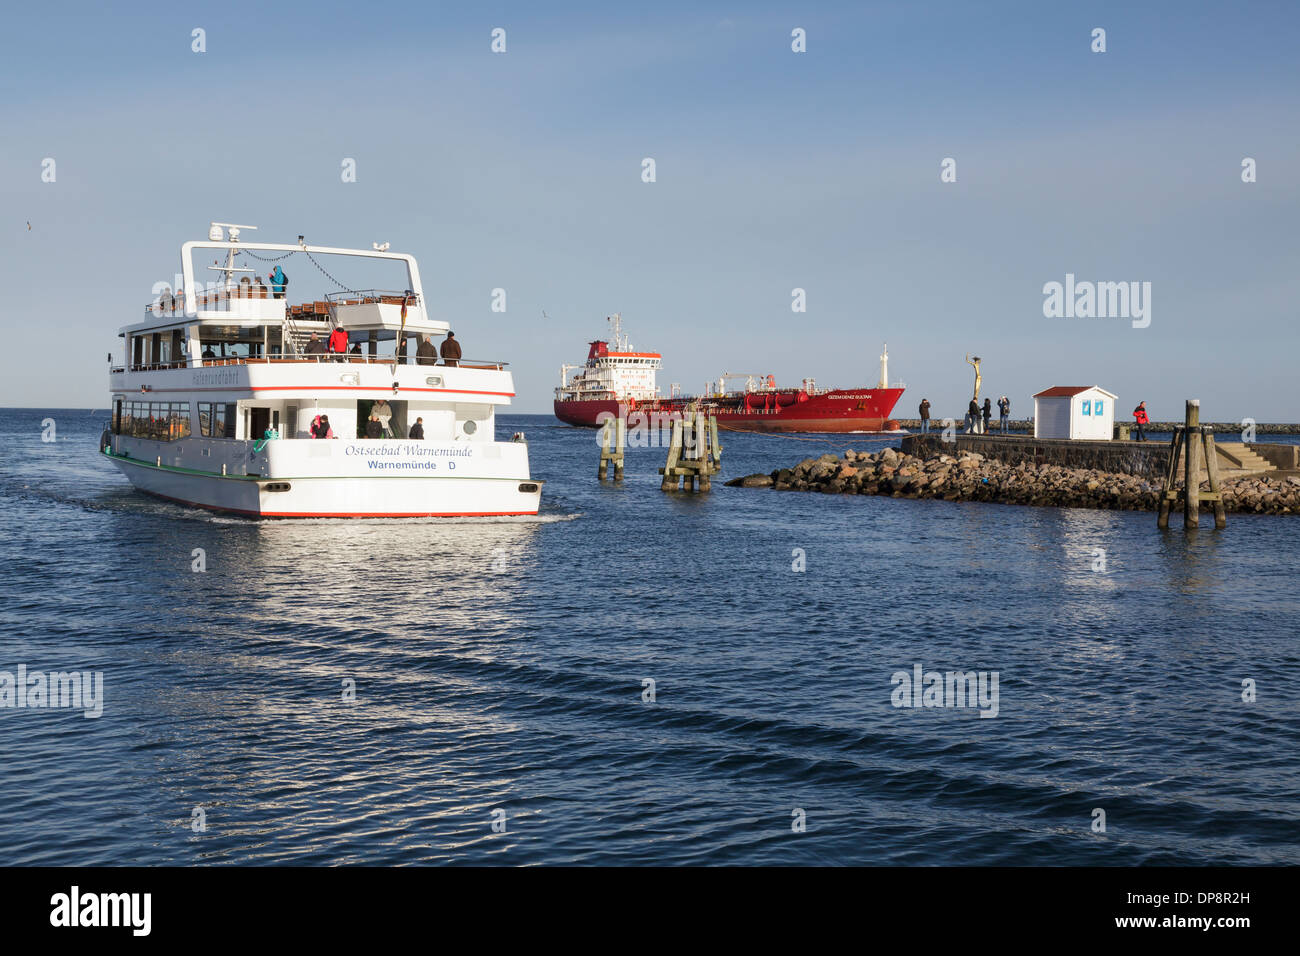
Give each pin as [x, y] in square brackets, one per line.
[345, 496]
[848, 410]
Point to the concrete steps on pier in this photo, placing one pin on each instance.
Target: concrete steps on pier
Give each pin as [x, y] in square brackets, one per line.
[1236, 460]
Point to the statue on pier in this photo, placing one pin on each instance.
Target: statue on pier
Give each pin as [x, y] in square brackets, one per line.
[975, 363]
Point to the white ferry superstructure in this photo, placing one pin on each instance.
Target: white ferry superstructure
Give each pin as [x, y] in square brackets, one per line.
[216, 391]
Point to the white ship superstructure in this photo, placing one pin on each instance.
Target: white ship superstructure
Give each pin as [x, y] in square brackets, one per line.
[216, 391]
[613, 371]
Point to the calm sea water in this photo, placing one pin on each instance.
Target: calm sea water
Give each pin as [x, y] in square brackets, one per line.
[499, 665]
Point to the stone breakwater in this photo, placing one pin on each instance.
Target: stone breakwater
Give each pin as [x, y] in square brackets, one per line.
[1018, 425]
[969, 476]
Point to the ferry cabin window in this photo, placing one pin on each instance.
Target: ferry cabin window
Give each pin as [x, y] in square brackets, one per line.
[159, 421]
[216, 420]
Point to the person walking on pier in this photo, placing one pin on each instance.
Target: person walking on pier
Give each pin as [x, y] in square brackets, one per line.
[972, 417]
[1004, 414]
[1141, 420]
[925, 416]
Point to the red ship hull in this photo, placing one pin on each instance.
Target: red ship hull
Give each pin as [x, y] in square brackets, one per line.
[839, 410]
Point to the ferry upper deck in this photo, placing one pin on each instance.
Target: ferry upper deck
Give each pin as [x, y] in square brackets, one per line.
[250, 342]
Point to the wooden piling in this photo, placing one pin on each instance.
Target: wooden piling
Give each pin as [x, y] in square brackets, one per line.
[1171, 471]
[1212, 473]
[1192, 450]
[694, 453]
[1194, 442]
[613, 442]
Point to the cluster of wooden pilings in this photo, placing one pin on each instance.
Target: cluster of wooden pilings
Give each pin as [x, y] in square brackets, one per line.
[694, 452]
[1194, 444]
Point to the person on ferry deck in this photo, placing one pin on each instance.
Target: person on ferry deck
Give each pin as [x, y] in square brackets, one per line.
[355, 350]
[339, 344]
[451, 350]
[259, 290]
[325, 430]
[373, 428]
[426, 353]
[279, 282]
[384, 412]
[417, 430]
[315, 346]
[315, 428]
[208, 353]
[401, 350]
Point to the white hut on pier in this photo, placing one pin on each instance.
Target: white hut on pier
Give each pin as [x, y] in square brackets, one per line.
[1080, 412]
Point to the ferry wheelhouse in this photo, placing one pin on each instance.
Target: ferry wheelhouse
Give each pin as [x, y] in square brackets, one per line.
[217, 392]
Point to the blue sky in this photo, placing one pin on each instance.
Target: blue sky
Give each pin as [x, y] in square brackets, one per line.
[775, 170]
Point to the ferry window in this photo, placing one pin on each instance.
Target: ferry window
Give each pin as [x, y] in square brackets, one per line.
[160, 421]
[216, 421]
[178, 423]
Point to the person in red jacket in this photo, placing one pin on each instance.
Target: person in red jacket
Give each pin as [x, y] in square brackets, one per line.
[1140, 416]
[338, 344]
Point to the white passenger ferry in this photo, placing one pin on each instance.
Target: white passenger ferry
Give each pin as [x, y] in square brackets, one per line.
[217, 393]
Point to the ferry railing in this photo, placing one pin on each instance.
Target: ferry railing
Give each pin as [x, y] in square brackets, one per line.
[327, 358]
[214, 300]
[372, 296]
[220, 300]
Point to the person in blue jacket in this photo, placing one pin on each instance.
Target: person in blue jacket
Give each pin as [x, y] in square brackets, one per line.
[278, 282]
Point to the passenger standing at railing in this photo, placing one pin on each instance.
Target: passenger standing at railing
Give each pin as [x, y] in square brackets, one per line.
[451, 350]
[426, 353]
[401, 350]
[315, 346]
[339, 344]
[417, 430]
[259, 290]
[279, 282]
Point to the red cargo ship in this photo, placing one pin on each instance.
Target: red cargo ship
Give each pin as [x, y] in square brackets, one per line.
[616, 379]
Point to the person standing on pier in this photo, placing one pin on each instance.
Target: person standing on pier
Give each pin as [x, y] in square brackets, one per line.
[1141, 419]
[1004, 414]
[925, 416]
[972, 417]
[987, 412]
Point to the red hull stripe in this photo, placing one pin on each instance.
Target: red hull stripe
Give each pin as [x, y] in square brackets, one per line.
[342, 514]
